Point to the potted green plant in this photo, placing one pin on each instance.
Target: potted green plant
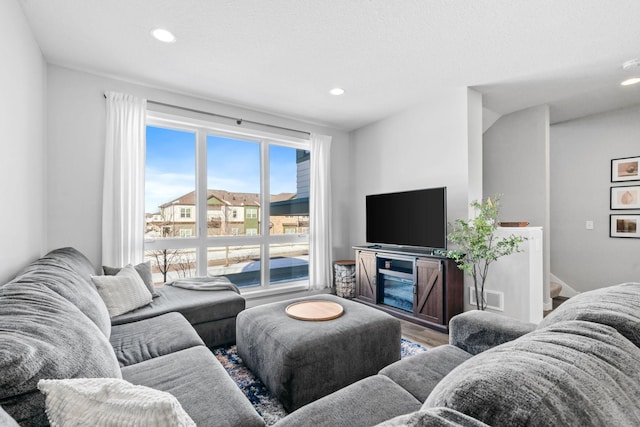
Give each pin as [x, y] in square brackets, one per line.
[476, 246]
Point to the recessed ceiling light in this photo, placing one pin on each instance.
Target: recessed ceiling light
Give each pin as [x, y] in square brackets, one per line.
[336, 91]
[631, 65]
[631, 81]
[163, 35]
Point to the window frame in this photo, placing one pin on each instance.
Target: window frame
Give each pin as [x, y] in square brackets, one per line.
[251, 213]
[201, 241]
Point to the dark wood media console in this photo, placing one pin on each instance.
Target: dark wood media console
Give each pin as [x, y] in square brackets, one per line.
[417, 286]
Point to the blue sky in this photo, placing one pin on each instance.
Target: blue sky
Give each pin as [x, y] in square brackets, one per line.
[232, 165]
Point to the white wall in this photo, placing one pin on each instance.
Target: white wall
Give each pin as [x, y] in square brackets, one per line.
[516, 165]
[76, 132]
[581, 153]
[515, 153]
[517, 278]
[22, 118]
[475, 129]
[425, 146]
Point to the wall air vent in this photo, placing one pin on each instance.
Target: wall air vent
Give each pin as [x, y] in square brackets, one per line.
[494, 299]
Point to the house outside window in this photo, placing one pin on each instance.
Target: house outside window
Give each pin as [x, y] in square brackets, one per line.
[211, 209]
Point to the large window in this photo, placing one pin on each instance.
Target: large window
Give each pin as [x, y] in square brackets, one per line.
[224, 203]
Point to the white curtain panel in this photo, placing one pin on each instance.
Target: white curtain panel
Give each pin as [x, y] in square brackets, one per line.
[123, 189]
[320, 265]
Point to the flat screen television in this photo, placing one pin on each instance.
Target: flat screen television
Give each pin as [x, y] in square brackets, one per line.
[409, 218]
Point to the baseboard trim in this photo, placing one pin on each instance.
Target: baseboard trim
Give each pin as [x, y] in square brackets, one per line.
[567, 291]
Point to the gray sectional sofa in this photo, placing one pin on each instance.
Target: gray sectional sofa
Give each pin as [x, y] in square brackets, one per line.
[579, 367]
[54, 325]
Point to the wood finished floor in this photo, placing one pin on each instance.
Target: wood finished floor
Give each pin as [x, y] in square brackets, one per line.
[556, 303]
[423, 336]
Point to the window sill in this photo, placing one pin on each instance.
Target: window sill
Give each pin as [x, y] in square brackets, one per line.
[281, 293]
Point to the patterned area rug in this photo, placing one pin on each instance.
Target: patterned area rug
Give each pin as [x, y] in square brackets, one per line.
[267, 406]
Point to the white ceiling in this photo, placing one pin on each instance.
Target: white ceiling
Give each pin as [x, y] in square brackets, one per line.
[283, 56]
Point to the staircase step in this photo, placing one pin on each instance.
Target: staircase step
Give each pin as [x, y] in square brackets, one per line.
[555, 289]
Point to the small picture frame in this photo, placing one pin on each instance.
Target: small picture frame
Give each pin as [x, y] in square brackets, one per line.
[625, 197]
[625, 169]
[624, 226]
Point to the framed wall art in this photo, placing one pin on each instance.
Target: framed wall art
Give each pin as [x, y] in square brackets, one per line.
[625, 169]
[624, 226]
[625, 197]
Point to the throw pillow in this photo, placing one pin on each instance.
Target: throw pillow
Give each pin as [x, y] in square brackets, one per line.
[123, 292]
[66, 271]
[143, 269]
[43, 335]
[110, 402]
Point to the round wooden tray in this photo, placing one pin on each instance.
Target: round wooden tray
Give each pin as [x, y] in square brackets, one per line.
[315, 310]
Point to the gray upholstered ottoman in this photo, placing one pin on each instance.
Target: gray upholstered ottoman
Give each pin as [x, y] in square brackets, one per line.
[301, 361]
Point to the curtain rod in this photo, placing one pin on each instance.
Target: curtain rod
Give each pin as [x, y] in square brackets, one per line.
[239, 121]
